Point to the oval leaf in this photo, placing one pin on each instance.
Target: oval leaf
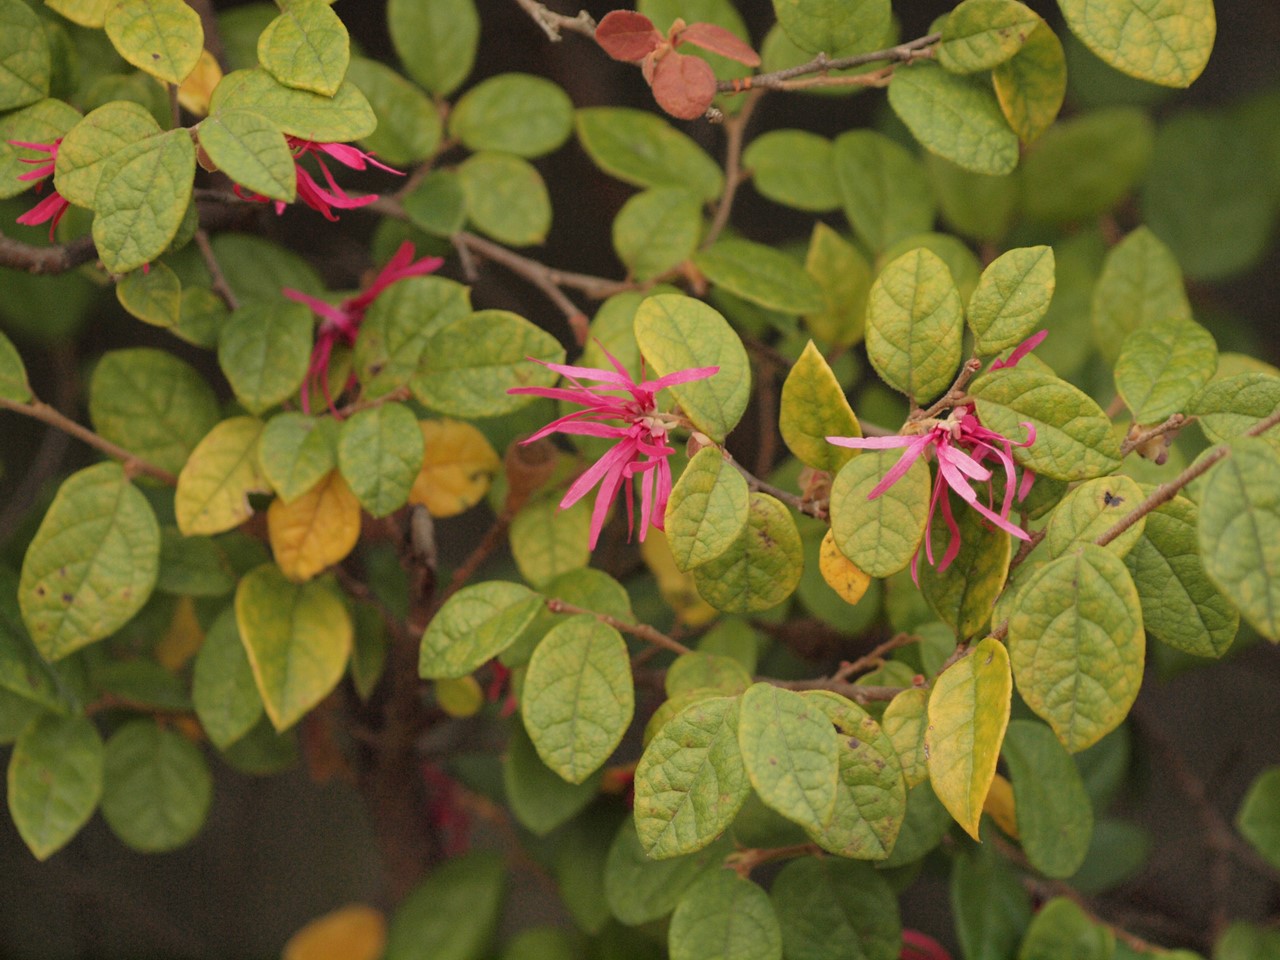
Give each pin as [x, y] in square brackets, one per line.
[55, 781]
[1012, 297]
[160, 37]
[1162, 365]
[723, 916]
[380, 453]
[252, 151]
[214, 486]
[707, 511]
[1167, 44]
[879, 536]
[476, 624]
[306, 47]
[1055, 817]
[761, 568]
[156, 787]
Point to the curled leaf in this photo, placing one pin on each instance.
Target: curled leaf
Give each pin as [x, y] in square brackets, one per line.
[717, 39]
[627, 35]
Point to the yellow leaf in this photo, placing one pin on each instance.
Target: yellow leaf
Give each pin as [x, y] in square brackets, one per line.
[677, 588]
[196, 90]
[353, 932]
[315, 531]
[458, 468]
[999, 805]
[460, 697]
[841, 575]
[183, 639]
[221, 472]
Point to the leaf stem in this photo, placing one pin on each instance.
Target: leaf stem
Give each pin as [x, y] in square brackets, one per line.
[734, 128]
[552, 23]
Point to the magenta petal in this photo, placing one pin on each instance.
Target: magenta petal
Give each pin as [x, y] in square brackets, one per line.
[317, 306]
[680, 376]
[872, 443]
[909, 456]
[953, 531]
[1020, 351]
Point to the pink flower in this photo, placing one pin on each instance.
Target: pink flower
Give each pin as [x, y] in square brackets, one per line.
[341, 324]
[52, 207]
[959, 443]
[643, 434]
[918, 946]
[312, 193]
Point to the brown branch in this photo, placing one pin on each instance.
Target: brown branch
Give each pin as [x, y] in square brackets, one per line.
[218, 279]
[902, 53]
[552, 23]
[133, 464]
[812, 508]
[744, 861]
[1171, 425]
[850, 691]
[52, 259]
[734, 127]
[640, 630]
[874, 657]
[954, 395]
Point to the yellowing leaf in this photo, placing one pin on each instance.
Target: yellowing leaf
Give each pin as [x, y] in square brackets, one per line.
[458, 468]
[316, 530]
[214, 486]
[841, 574]
[353, 932]
[459, 696]
[182, 640]
[1000, 807]
[196, 90]
[1166, 41]
[677, 589]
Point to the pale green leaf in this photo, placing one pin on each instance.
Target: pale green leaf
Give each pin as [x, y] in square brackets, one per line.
[702, 670]
[13, 373]
[476, 624]
[707, 511]
[879, 536]
[1229, 406]
[264, 349]
[306, 47]
[657, 230]
[547, 541]
[1162, 365]
[514, 113]
[506, 198]
[1090, 510]
[221, 472]
[160, 37]
[436, 40]
[42, 122]
[1011, 299]
[295, 452]
[835, 27]
[904, 722]
[761, 567]
[643, 149]
[409, 126]
[153, 295]
[1055, 818]
[845, 277]
[453, 913]
[397, 326]
[795, 168]
[963, 594]
[156, 787]
[25, 66]
[1166, 41]
[299, 113]
[222, 687]
[380, 453]
[252, 151]
[55, 781]
[723, 916]
[761, 275]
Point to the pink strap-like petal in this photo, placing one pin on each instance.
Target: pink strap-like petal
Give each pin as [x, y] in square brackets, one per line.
[872, 443]
[1020, 351]
[963, 462]
[899, 469]
[680, 376]
[317, 306]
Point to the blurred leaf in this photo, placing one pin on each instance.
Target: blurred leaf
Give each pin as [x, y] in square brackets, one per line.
[436, 41]
[453, 913]
[223, 690]
[25, 63]
[1061, 931]
[55, 781]
[990, 906]
[409, 128]
[540, 799]
[153, 296]
[296, 452]
[506, 198]
[642, 149]
[760, 275]
[515, 113]
[795, 168]
[353, 932]
[1055, 819]
[1162, 365]
[639, 889]
[844, 275]
[160, 37]
[882, 188]
[723, 916]
[835, 27]
[156, 787]
[838, 909]
[547, 541]
[657, 230]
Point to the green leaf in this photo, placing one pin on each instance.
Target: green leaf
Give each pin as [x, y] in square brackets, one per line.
[1077, 645]
[1074, 440]
[990, 906]
[252, 151]
[904, 723]
[1055, 818]
[1012, 297]
[578, 696]
[871, 797]
[813, 408]
[226, 698]
[193, 566]
[640, 889]
[92, 563]
[1090, 510]
[833, 908]
[398, 325]
[1166, 43]
[55, 781]
[690, 781]
[153, 296]
[221, 472]
[844, 275]
[506, 198]
[264, 349]
[882, 188]
[409, 127]
[160, 37]
[1180, 605]
[707, 511]
[1032, 85]
[299, 113]
[380, 453]
[547, 541]
[1228, 407]
[795, 168]
[152, 404]
[453, 913]
[968, 713]
[954, 117]
[87, 13]
[538, 797]
[306, 47]
[435, 40]
[514, 113]
[760, 275]
[156, 788]
[475, 624]
[25, 66]
[981, 34]
[1243, 941]
[973, 204]
[1162, 365]
[437, 204]
[962, 595]
[879, 536]
[1240, 532]
[296, 451]
[142, 197]
[915, 325]
[1140, 283]
[645, 150]
[835, 27]
[657, 230]
[298, 637]
[723, 916]
[1061, 931]
[468, 365]
[1086, 165]
[676, 333]
[13, 374]
[791, 753]
[1259, 818]
[761, 568]
[702, 670]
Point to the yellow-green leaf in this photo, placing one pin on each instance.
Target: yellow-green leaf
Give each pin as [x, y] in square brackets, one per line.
[409, 126]
[879, 536]
[380, 453]
[25, 69]
[296, 452]
[87, 13]
[316, 530]
[299, 113]
[153, 296]
[55, 781]
[223, 469]
[844, 275]
[883, 189]
[981, 34]
[264, 350]
[968, 713]
[506, 198]
[656, 230]
[92, 564]
[643, 149]
[962, 595]
[515, 113]
[761, 568]
[252, 151]
[795, 168]
[476, 624]
[904, 723]
[1090, 510]
[1032, 84]
[306, 47]
[222, 687]
[547, 541]
[1012, 297]
[42, 122]
[1140, 283]
[13, 373]
[1166, 42]
[813, 408]
[707, 511]
[298, 637]
[1162, 365]
[160, 37]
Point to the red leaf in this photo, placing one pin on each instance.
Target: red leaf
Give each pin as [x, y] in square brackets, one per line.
[918, 946]
[719, 40]
[627, 35]
[683, 86]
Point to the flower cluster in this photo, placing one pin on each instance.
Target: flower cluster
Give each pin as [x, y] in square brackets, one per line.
[643, 434]
[312, 193]
[52, 207]
[960, 444]
[341, 324]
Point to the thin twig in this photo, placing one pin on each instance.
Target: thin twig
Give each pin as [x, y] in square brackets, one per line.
[812, 508]
[850, 691]
[133, 464]
[734, 127]
[744, 861]
[218, 279]
[874, 657]
[641, 630]
[552, 23]
[52, 259]
[955, 394]
[902, 53]
[1171, 425]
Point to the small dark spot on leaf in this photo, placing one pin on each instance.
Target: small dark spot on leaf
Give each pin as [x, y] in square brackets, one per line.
[40, 591]
[62, 571]
[773, 761]
[155, 56]
[854, 743]
[67, 598]
[1111, 500]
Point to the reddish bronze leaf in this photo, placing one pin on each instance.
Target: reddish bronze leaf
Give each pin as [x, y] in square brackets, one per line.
[627, 35]
[683, 86]
[718, 40]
